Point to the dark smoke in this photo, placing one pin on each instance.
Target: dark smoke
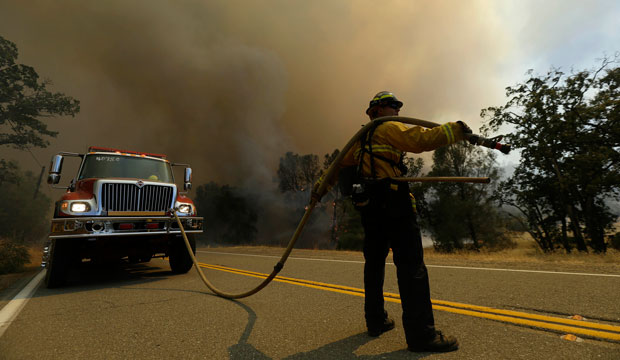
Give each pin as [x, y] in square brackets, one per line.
[152, 83]
[230, 86]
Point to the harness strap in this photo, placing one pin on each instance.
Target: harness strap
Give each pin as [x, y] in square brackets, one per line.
[366, 147]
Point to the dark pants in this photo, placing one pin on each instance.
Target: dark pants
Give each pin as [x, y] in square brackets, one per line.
[390, 222]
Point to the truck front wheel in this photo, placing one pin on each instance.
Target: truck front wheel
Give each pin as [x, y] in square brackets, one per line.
[58, 264]
[180, 261]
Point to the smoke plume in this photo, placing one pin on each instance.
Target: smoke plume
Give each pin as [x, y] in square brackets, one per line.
[230, 86]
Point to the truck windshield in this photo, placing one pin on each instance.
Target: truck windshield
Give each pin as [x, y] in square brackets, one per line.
[119, 166]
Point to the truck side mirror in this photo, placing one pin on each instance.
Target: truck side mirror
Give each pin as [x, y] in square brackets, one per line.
[187, 179]
[55, 168]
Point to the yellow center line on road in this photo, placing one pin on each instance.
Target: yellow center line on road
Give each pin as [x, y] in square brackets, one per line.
[572, 322]
[585, 328]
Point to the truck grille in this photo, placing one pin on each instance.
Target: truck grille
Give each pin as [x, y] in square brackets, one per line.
[129, 197]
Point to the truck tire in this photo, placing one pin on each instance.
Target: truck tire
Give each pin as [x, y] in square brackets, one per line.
[58, 264]
[180, 261]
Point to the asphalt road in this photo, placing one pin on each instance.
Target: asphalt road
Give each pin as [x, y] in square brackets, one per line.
[143, 312]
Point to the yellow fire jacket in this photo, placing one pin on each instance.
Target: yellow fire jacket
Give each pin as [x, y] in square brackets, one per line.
[392, 138]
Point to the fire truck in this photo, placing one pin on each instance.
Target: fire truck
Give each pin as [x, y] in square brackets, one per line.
[120, 205]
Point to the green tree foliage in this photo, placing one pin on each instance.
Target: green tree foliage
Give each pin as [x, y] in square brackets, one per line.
[230, 216]
[24, 100]
[414, 169]
[568, 130]
[297, 173]
[24, 218]
[460, 213]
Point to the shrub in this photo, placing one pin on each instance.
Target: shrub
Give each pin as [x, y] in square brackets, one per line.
[13, 257]
[615, 241]
[351, 241]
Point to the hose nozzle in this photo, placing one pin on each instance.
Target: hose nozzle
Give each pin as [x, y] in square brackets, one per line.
[490, 143]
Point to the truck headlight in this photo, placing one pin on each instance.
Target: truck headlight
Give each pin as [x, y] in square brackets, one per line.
[185, 208]
[78, 207]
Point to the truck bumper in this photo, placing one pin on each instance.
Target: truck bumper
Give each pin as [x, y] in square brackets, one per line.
[80, 227]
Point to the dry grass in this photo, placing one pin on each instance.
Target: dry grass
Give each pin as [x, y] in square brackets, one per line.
[526, 253]
[35, 257]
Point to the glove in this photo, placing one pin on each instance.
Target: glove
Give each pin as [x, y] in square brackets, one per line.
[468, 133]
[466, 129]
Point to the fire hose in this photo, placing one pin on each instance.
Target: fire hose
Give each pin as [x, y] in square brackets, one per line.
[331, 172]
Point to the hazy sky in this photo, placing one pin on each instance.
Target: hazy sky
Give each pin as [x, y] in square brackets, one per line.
[230, 86]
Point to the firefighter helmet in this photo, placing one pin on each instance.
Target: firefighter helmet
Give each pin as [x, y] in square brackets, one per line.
[384, 98]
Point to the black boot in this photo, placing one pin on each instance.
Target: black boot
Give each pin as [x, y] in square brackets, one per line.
[388, 324]
[439, 343]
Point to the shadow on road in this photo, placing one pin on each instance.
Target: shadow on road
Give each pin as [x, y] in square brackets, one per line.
[242, 349]
[341, 349]
[345, 349]
[89, 276]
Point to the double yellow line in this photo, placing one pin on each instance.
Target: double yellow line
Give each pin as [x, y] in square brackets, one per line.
[570, 326]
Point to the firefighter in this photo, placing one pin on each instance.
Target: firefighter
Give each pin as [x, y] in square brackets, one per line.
[389, 220]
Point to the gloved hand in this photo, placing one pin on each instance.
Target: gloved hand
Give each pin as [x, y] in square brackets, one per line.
[466, 129]
[473, 139]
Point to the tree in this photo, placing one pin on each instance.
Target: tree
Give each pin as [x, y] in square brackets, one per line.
[568, 130]
[298, 172]
[455, 212]
[23, 219]
[24, 100]
[414, 169]
[296, 176]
